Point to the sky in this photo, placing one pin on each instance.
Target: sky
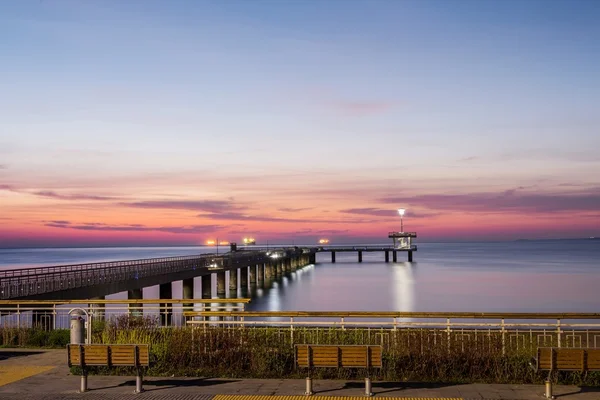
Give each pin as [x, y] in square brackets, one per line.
[147, 122]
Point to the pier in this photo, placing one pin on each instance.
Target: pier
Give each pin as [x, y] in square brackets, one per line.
[96, 280]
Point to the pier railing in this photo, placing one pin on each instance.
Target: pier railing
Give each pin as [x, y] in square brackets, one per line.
[505, 331]
[34, 281]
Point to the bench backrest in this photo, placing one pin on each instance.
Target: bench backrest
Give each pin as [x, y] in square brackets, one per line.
[347, 356]
[554, 358]
[117, 355]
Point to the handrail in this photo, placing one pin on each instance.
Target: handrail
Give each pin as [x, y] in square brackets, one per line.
[124, 301]
[395, 314]
[97, 265]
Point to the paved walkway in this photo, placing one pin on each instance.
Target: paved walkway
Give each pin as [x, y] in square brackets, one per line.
[43, 375]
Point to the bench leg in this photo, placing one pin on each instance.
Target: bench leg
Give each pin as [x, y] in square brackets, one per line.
[84, 378]
[138, 381]
[368, 391]
[548, 393]
[309, 390]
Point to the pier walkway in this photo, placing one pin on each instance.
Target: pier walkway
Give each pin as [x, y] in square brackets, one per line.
[43, 375]
[100, 279]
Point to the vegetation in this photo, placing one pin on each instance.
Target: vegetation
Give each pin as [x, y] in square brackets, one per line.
[425, 355]
[28, 337]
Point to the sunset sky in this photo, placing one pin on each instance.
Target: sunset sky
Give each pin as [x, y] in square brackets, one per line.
[173, 122]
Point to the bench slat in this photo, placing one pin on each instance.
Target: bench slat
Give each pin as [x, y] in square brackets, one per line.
[345, 356]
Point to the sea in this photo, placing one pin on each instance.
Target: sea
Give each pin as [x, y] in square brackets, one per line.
[519, 276]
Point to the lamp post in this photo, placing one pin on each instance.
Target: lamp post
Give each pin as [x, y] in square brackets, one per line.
[401, 211]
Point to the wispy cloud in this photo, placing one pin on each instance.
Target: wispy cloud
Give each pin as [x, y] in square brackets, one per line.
[54, 195]
[513, 200]
[3, 166]
[97, 226]
[286, 209]
[234, 216]
[211, 206]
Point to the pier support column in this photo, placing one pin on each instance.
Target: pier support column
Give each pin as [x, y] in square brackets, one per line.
[268, 271]
[221, 284]
[188, 293]
[207, 286]
[135, 309]
[244, 279]
[312, 259]
[279, 266]
[410, 256]
[394, 256]
[260, 273]
[233, 282]
[166, 309]
[333, 256]
[387, 256]
[252, 271]
[359, 256]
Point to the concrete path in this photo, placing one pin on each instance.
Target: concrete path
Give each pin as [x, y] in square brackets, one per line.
[43, 375]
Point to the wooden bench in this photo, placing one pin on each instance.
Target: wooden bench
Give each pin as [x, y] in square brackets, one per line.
[332, 356]
[109, 355]
[564, 359]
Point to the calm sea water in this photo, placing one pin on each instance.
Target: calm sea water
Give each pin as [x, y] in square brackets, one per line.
[530, 276]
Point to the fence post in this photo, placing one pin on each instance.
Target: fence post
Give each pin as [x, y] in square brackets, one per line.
[448, 333]
[558, 332]
[503, 338]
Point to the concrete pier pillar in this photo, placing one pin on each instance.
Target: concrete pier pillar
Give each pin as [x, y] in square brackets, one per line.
[260, 272]
[387, 256]
[312, 258]
[410, 256]
[333, 256]
[279, 266]
[220, 284]
[99, 310]
[233, 282]
[359, 256]
[268, 271]
[166, 309]
[244, 279]
[394, 256]
[188, 292]
[207, 287]
[252, 271]
[135, 309]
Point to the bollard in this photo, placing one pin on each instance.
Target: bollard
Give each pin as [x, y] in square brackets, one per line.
[308, 386]
[549, 389]
[368, 387]
[138, 382]
[83, 387]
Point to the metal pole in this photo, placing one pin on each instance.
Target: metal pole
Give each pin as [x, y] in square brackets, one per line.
[308, 391]
[83, 386]
[138, 382]
[548, 393]
[401, 224]
[368, 387]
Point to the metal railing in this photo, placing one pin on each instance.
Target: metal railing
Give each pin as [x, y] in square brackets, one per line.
[25, 282]
[49, 315]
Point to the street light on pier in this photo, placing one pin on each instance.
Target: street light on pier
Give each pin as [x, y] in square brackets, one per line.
[401, 211]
